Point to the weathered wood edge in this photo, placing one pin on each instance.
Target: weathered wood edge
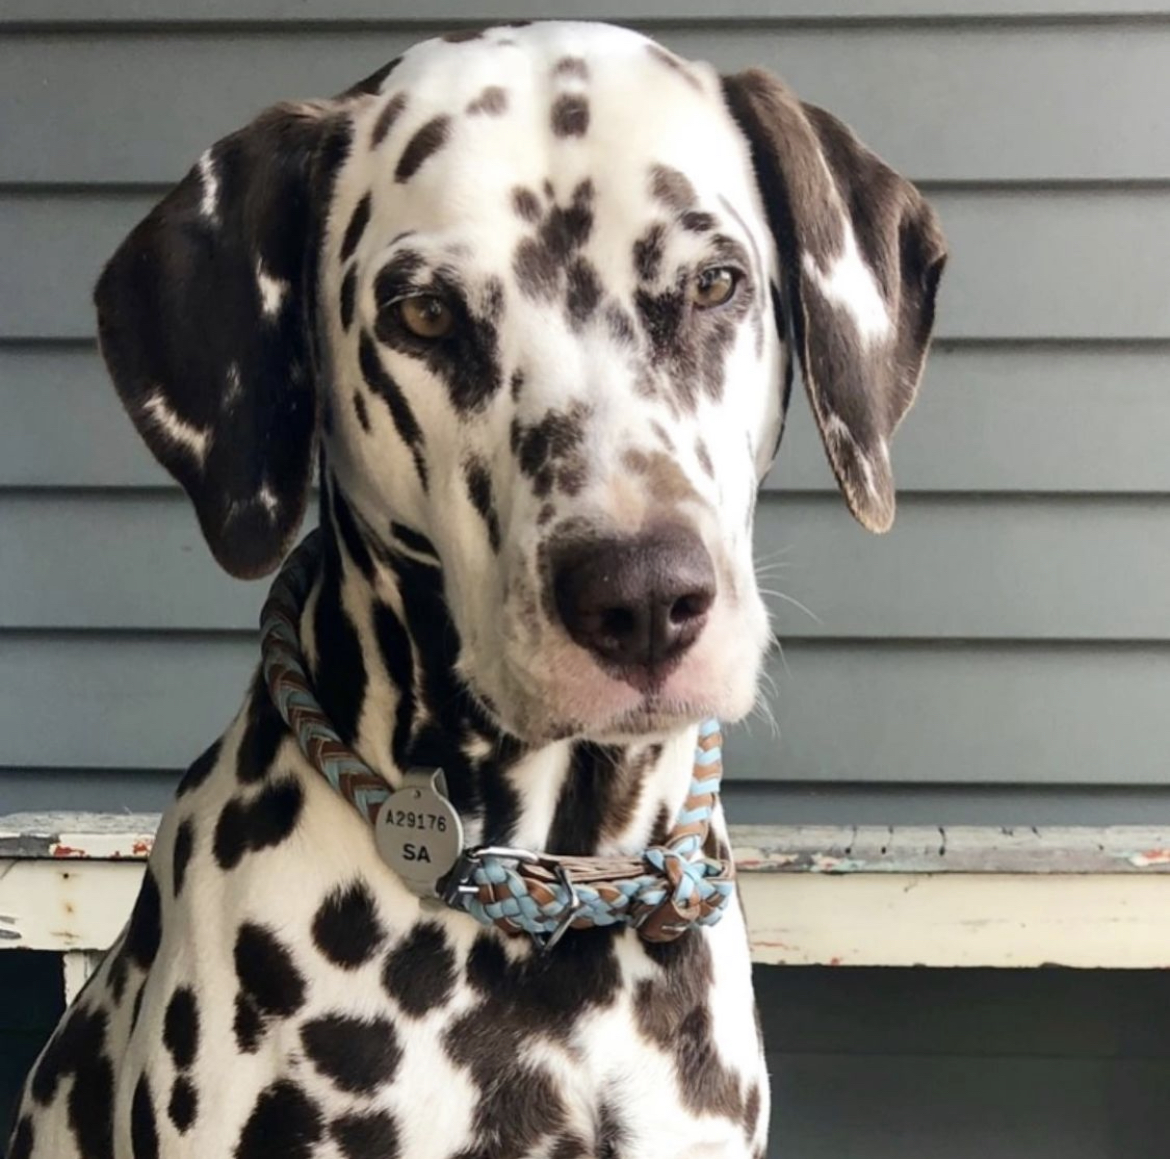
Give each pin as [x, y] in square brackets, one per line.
[951, 849]
[78, 836]
[758, 848]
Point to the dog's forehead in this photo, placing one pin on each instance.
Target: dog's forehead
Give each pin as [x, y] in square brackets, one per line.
[460, 125]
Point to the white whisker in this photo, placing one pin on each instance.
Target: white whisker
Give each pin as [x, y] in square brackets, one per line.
[794, 602]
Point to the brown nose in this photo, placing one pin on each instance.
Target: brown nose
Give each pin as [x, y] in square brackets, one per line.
[637, 604]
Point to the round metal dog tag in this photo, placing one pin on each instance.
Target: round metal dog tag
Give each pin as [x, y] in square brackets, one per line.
[418, 832]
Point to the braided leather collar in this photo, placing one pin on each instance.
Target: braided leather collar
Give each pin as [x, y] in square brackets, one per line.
[662, 893]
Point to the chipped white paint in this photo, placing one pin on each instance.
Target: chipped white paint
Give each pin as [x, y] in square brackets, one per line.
[850, 284]
[851, 896]
[95, 836]
[194, 439]
[964, 849]
[65, 905]
[273, 291]
[76, 967]
[1087, 921]
[209, 203]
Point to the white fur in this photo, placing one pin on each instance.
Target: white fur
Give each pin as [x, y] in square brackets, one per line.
[195, 440]
[273, 291]
[849, 283]
[209, 204]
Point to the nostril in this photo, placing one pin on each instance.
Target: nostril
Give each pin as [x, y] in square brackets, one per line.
[617, 623]
[690, 607]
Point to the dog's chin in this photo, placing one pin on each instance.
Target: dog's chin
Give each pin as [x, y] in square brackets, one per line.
[642, 716]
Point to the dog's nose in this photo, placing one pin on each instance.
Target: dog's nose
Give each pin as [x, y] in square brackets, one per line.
[637, 604]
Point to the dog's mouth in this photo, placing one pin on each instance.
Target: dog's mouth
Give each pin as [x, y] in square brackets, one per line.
[643, 715]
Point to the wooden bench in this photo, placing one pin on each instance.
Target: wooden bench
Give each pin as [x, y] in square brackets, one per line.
[840, 896]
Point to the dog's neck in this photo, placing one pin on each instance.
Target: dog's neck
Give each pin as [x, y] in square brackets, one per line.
[382, 652]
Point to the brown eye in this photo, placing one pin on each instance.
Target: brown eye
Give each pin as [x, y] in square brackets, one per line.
[426, 316]
[714, 287]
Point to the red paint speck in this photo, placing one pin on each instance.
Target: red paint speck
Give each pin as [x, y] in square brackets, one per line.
[67, 851]
[141, 849]
[834, 961]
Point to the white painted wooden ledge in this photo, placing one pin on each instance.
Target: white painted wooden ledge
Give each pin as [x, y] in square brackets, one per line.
[860, 896]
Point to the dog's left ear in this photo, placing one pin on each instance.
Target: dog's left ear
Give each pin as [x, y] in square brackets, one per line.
[861, 253]
[206, 321]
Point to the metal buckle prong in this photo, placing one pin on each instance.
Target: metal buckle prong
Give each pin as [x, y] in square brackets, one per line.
[545, 942]
[458, 883]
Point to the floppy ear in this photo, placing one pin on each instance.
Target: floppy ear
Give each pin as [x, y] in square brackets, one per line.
[860, 255]
[206, 316]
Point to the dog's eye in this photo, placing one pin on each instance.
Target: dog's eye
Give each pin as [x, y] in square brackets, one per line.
[714, 287]
[426, 316]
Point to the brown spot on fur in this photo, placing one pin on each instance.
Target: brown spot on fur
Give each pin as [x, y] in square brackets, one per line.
[673, 188]
[666, 480]
[570, 115]
[361, 410]
[539, 260]
[648, 252]
[390, 113]
[549, 452]
[660, 830]
[526, 204]
[546, 514]
[492, 102]
[621, 326]
[584, 293]
[690, 347]
[663, 437]
[598, 798]
[535, 269]
[638, 764]
[671, 1011]
[635, 461]
[697, 222]
[463, 35]
[704, 457]
[517, 384]
[348, 295]
[571, 66]
[356, 227]
[426, 142]
[751, 1112]
[479, 487]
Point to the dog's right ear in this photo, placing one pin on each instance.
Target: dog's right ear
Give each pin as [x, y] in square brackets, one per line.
[206, 317]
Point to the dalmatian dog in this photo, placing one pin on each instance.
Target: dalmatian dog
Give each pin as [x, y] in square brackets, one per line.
[531, 297]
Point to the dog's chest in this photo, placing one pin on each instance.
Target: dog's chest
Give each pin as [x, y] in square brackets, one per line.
[284, 994]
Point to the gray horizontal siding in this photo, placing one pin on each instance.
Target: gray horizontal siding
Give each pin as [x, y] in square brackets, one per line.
[1034, 418]
[115, 12]
[1010, 635]
[1022, 569]
[1066, 265]
[996, 103]
[848, 711]
[142, 790]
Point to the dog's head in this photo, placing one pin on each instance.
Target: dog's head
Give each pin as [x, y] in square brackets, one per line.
[536, 292]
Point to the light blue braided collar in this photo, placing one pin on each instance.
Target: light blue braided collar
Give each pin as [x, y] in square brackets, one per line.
[662, 893]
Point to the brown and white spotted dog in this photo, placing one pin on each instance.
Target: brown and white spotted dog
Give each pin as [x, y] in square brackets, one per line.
[533, 294]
